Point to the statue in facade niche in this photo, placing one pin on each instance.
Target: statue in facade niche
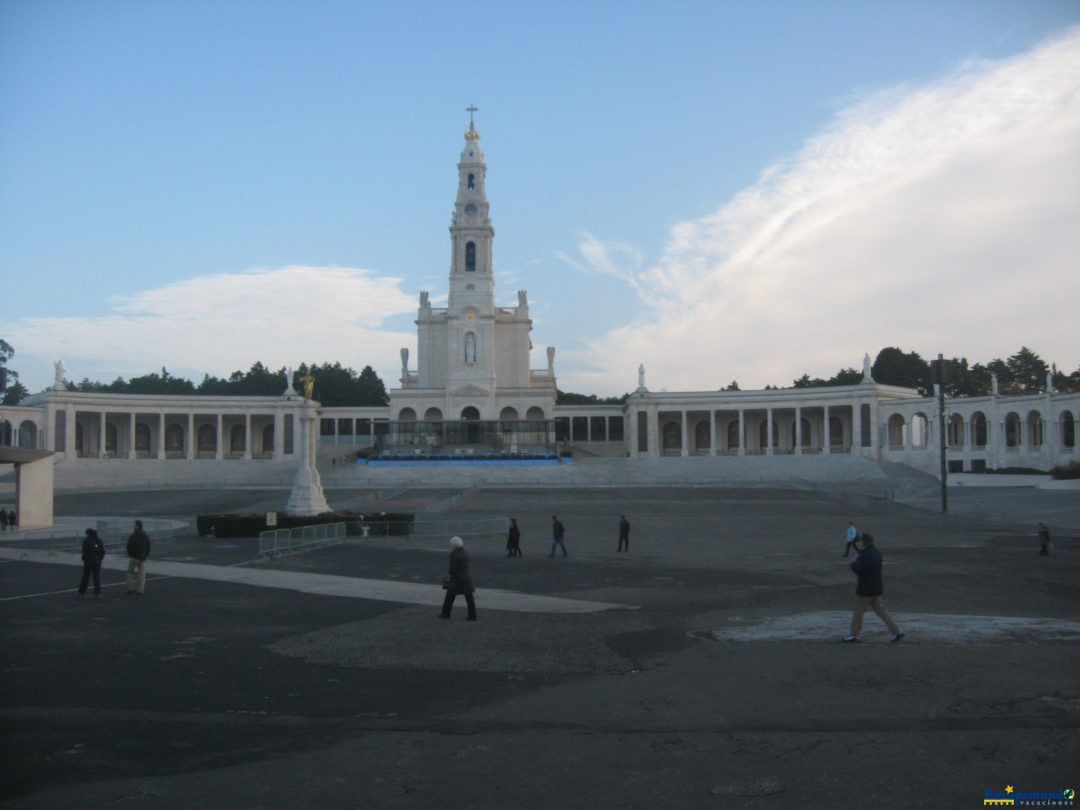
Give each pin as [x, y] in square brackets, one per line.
[404, 362]
[551, 359]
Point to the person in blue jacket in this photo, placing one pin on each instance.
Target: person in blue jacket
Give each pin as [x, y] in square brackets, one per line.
[869, 591]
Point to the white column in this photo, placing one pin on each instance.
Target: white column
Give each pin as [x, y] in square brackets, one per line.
[712, 432]
[69, 431]
[742, 432]
[161, 435]
[131, 436]
[191, 436]
[218, 449]
[856, 427]
[768, 432]
[247, 437]
[798, 431]
[828, 434]
[685, 433]
[654, 445]
[101, 434]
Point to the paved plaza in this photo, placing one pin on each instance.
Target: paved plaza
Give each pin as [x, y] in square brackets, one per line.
[702, 669]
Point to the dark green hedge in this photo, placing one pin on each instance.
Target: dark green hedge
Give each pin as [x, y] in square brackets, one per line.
[382, 524]
[1066, 472]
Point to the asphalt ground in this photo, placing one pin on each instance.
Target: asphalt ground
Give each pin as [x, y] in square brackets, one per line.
[719, 681]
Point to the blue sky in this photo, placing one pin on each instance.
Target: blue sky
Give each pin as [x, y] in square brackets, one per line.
[721, 191]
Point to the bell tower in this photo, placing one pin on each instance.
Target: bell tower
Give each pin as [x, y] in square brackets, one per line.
[471, 302]
[473, 356]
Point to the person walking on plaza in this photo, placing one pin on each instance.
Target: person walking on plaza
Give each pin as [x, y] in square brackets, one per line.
[93, 552]
[557, 533]
[138, 550]
[852, 539]
[869, 591]
[624, 534]
[3, 520]
[1044, 540]
[459, 580]
[513, 540]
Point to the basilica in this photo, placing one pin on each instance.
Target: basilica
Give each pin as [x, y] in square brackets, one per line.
[470, 396]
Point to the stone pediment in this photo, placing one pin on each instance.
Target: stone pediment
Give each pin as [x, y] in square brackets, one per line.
[470, 390]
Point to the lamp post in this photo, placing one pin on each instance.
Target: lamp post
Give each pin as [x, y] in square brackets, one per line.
[941, 373]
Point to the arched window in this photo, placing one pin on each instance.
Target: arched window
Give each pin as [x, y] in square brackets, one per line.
[111, 435]
[470, 414]
[920, 431]
[407, 415]
[237, 439]
[1012, 430]
[28, 434]
[1035, 429]
[1068, 429]
[472, 181]
[672, 437]
[956, 430]
[733, 434]
[978, 429]
[470, 348]
[895, 430]
[470, 257]
[509, 414]
[142, 438]
[207, 439]
[535, 414]
[836, 431]
[701, 437]
[432, 415]
[174, 439]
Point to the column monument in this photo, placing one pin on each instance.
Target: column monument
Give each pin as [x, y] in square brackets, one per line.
[307, 496]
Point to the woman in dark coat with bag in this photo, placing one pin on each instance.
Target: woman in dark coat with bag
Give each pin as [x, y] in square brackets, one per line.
[459, 580]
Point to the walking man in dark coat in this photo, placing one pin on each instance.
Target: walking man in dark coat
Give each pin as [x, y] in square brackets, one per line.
[513, 540]
[93, 552]
[460, 580]
[869, 591]
[624, 534]
[1044, 540]
[138, 550]
[557, 532]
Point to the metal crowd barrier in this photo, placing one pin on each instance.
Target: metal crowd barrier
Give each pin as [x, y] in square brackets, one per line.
[285, 541]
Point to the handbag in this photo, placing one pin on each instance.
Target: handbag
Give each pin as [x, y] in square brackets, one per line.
[447, 583]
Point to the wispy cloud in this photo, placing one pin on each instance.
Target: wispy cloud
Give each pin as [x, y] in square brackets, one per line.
[221, 323]
[940, 217]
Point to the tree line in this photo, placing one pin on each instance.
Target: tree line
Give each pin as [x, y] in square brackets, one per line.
[1022, 373]
[337, 386]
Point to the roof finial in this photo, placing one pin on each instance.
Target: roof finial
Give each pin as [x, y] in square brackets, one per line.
[472, 136]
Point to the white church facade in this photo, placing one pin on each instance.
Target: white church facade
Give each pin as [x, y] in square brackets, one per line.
[472, 392]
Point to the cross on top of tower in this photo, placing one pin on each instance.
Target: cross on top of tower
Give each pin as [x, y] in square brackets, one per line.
[472, 136]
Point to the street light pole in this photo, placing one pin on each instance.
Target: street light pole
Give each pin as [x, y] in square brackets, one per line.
[940, 374]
